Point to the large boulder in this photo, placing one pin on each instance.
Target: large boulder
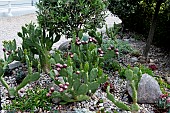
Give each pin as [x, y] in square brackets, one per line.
[148, 90]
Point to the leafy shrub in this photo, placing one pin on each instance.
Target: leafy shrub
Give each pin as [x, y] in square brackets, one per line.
[66, 16]
[136, 15]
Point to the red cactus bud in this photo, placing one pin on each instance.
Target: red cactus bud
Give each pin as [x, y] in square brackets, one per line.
[90, 40]
[86, 42]
[60, 85]
[58, 69]
[56, 78]
[65, 87]
[163, 95]
[67, 84]
[100, 55]
[52, 89]
[59, 65]
[64, 65]
[116, 50]
[117, 53]
[101, 52]
[112, 47]
[61, 90]
[9, 52]
[77, 72]
[78, 43]
[71, 55]
[4, 50]
[109, 48]
[48, 94]
[83, 42]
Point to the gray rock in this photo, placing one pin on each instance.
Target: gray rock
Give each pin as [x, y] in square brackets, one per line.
[134, 59]
[168, 80]
[14, 64]
[148, 90]
[64, 46]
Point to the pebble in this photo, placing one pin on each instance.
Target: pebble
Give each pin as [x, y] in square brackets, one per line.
[134, 59]
[168, 80]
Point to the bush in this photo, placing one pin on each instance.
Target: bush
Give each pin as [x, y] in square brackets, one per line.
[137, 15]
[65, 16]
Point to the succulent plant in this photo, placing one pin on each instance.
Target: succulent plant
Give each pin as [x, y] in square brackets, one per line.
[133, 76]
[163, 102]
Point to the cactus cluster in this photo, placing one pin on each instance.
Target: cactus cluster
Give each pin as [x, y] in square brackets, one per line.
[133, 76]
[80, 68]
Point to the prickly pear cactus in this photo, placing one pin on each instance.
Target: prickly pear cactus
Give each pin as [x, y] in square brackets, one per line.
[80, 68]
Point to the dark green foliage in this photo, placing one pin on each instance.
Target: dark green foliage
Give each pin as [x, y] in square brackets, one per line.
[67, 16]
[136, 15]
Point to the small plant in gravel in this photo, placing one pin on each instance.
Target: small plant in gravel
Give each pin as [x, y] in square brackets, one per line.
[32, 101]
[29, 78]
[133, 76]
[163, 103]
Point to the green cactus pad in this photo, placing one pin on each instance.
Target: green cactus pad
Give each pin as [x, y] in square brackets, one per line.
[93, 86]
[135, 107]
[82, 90]
[93, 74]
[129, 74]
[76, 84]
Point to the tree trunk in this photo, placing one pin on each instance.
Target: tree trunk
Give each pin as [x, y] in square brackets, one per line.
[152, 28]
